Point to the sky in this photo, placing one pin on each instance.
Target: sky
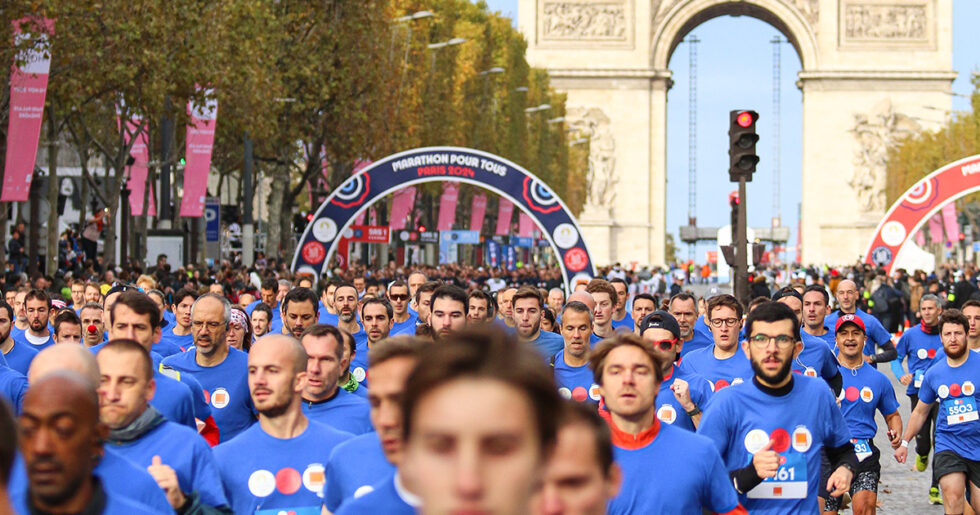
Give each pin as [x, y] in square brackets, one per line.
[735, 71]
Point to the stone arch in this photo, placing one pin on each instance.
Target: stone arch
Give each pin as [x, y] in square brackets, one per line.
[685, 16]
[439, 164]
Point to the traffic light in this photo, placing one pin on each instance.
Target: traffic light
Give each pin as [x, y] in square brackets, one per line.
[741, 144]
[733, 201]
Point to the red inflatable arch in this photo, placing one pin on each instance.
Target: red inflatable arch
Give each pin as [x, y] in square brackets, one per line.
[917, 205]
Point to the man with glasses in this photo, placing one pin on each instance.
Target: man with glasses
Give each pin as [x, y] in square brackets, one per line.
[683, 395]
[770, 430]
[219, 368]
[77, 296]
[722, 363]
[404, 321]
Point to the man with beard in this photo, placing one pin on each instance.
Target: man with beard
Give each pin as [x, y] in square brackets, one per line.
[323, 399]
[93, 325]
[18, 355]
[298, 311]
[218, 367]
[528, 307]
[448, 311]
[684, 308]
[37, 304]
[376, 317]
[643, 305]
[261, 315]
[423, 303]
[689, 475]
[683, 395]
[177, 458]
[345, 300]
[291, 446]
[621, 320]
[404, 322]
[180, 334]
[951, 382]
[723, 363]
[480, 308]
[778, 423]
[571, 365]
[61, 442]
[376, 454]
[865, 391]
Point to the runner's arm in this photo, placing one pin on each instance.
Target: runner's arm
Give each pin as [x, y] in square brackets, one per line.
[894, 421]
[843, 456]
[887, 353]
[916, 419]
[745, 478]
[897, 368]
[836, 384]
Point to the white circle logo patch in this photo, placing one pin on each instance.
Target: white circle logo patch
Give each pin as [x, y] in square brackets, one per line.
[667, 413]
[893, 233]
[565, 393]
[325, 229]
[261, 483]
[314, 478]
[220, 398]
[359, 374]
[737, 380]
[943, 391]
[922, 354]
[594, 393]
[866, 394]
[968, 388]
[802, 439]
[362, 491]
[755, 440]
[565, 236]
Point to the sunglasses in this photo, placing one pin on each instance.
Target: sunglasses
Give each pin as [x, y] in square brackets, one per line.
[665, 345]
[398, 297]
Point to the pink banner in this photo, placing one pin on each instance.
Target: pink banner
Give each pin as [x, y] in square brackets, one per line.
[525, 226]
[936, 228]
[447, 206]
[479, 212]
[949, 220]
[503, 217]
[920, 238]
[28, 86]
[137, 172]
[401, 205]
[197, 155]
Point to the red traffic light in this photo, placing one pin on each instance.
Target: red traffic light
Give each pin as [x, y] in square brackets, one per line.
[309, 217]
[421, 228]
[745, 119]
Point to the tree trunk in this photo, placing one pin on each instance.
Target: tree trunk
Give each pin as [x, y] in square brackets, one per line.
[109, 248]
[51, 265]
[286, 245]
[275, 212]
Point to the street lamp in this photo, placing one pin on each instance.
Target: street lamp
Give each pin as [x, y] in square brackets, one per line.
[522, 89]
[414, 16]
[535, 109]
[451, 42]
[495, 69]
[557, 120]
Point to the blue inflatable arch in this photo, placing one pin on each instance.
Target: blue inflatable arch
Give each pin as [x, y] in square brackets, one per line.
[438, 164]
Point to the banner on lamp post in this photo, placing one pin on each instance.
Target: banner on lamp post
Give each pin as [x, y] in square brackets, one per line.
[401, 205]
[447, 206]
[28, 87]
[479, 212]
[505, 211]
[197, 154]
[137, 172]
[525, 226]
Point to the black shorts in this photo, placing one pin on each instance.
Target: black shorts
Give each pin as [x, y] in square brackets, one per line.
[948, 462]
[870, 467]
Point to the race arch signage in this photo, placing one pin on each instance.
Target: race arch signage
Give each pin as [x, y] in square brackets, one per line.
[917, 205]
[437, 164]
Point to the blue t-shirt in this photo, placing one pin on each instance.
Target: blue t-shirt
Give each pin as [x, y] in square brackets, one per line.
[124, 478]
[828, 337]
[359, 364]
[170, 317]
[13, 386]
[114, 504]
[167, 347]
[699, 342]
[34, 342]
[594, 340]
[678, 472]
[865, 390]
[406, 327]
[386, 497]
[344, 411]
[354, 467]
[626, 325]
[955, 389]
[920, 348]
[183, 450]
[20, 357]
[701, 328]
[669, 409]
[575, 383]
[284, 475]
[548, 343]
[816, 359]
[174, 400]
[201, 410]
[171, 341]
[742, 419]
[326, 317]
[225, 389]
[720, 372]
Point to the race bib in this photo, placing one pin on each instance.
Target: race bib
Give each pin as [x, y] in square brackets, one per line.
[789, 482]
[862, 449]
[917, 381]
[960, 410]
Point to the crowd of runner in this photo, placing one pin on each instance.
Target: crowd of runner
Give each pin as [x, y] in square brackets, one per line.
[459, 389]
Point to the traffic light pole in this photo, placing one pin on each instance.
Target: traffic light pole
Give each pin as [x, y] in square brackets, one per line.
[741, 280]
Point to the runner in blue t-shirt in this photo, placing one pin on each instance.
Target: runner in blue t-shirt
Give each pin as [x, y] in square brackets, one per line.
[277, 465]
[323, 399]
[724, 363]
[404, 322]
[179, 334]
[345, 301]
[770, 431]
[621, 319]
[865, 390]
[17, 355]
[952, 384]
[878, 336]
[683, 395]
[684, 308]
[220, 369]
[528, 307]
[573, 376]
[815, 359]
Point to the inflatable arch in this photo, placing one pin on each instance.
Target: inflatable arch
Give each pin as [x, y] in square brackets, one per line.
[917, 205]
[438, 164]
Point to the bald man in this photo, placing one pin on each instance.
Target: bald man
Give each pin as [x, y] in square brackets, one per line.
[119, 476]
[294, 449]
[878, 337]
[61, 443]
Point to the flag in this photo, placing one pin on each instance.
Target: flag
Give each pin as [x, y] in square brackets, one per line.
[401, 205]
[197, 154]
[525, 226]
[506, 209]
[447, 206]
[479, 212]
[949, 221]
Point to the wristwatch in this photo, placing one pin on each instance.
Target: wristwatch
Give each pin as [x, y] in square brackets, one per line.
[694, 411]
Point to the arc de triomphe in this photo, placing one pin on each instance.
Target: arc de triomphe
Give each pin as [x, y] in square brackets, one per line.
[871, 71]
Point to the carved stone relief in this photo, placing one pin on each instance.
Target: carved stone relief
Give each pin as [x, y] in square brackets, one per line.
[875, 132]
[886, 22]
[592, 123]
[579, 20]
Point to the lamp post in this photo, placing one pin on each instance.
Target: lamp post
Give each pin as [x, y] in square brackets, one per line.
[435, 47]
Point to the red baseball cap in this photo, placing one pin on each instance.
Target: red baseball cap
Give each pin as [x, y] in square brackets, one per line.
[850, 318]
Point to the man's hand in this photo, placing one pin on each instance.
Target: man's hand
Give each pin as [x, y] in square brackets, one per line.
[901, 453]
[868, 359]
[766, 462]
[895, 439]
[840, 481]
[682, 392]
[905, 379]
[166, 479]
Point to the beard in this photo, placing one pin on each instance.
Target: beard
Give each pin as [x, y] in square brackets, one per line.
[775, 378]
[276, 410]
[964, 348]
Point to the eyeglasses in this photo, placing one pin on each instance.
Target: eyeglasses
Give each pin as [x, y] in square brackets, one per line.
[762, 340]
[398, 297]
[212, 326]
[730, 322]
[665, 345]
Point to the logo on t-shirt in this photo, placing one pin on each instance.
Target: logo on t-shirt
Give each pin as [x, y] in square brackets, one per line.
[359, 374]
[755, 440]
[802, 439]
[314, 478]
[968, 388]
[220, 398]
[810, 372]
[667, 414]
[594, 393]
[565, 393]
[363, 490]
[942, 391]
[866, 394]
